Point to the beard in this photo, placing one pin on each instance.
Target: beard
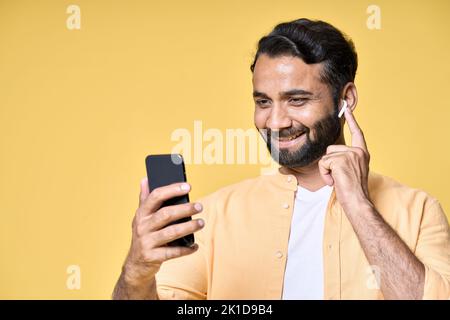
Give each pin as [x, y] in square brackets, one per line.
[326, 132]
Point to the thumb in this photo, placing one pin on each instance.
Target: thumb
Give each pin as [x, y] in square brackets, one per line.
[325, 172]
[144, 190]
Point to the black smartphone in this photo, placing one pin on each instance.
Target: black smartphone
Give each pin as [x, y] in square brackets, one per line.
[165, 169]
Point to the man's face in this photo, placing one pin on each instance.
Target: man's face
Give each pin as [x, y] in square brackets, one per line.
[294, 110]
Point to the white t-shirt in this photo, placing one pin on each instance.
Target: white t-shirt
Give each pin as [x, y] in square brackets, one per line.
[303, 277]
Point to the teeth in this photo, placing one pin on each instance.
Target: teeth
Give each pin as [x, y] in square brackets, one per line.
[290, 138]
[295, 137]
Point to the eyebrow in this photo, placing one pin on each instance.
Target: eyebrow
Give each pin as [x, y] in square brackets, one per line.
[295, 92]
[292, 92]
[257, 94]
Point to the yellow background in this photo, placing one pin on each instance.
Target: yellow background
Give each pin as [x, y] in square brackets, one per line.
[81, 109]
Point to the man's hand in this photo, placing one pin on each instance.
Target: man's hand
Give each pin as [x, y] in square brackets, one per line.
[150, 234]
[347, 167]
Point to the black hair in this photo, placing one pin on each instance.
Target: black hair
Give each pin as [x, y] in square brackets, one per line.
[314, 42]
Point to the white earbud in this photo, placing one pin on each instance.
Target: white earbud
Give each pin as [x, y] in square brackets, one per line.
[344, 107]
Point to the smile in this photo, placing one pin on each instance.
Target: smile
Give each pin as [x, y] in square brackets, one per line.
[287, 142]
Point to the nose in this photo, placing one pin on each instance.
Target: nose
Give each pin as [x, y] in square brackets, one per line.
[278, 119]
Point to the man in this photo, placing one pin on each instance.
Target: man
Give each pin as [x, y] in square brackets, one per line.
[322, 227]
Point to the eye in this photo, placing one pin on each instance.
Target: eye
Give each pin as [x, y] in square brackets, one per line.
[297, 101]
[262, 103]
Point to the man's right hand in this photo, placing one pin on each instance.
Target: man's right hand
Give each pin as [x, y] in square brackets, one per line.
[151, 231]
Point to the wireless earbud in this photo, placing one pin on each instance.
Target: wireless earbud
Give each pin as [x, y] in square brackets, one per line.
[344, 107]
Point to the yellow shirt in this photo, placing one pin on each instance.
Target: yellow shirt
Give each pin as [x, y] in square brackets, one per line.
[243, 246]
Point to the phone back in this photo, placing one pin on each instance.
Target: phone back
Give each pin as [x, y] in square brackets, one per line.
[165, 169]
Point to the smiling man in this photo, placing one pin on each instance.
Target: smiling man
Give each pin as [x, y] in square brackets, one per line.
[322, 227]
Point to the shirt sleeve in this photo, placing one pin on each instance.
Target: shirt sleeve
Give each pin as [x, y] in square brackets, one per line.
[433, 249]
[185, 278]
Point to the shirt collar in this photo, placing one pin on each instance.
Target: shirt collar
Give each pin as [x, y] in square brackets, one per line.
[289, 182]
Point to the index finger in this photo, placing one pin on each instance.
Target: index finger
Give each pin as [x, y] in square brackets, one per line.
[357, 135]
[144, 190]
[156, 197]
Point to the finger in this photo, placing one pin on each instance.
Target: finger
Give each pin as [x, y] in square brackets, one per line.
[341, 149]
[144, 190]
[166, 215]
[328, 157]
[325, 172]
[357, 135]
[326, 165]
[166, 253]
[157, 196]
[176, 231]
[337, 148]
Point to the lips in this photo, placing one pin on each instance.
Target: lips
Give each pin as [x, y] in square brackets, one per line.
[291, 137]
[290, 141]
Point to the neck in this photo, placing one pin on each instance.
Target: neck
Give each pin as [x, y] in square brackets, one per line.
[309, 177]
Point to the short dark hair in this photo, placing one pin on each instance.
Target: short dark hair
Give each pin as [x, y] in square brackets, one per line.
[314, 42]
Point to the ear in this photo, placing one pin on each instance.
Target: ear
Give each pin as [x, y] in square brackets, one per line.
[350, 94]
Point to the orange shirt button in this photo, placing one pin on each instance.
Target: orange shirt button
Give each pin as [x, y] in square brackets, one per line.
[279, 254]
[286, 205]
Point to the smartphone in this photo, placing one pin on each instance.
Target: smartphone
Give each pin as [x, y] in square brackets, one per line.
[165, 169]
